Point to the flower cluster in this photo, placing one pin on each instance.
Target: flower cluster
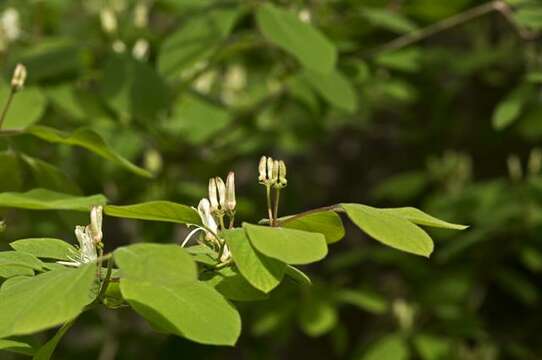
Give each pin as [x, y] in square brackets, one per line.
[212, 211]
[272, 172]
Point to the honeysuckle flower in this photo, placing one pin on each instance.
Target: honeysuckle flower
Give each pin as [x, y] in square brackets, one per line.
[87, 248]
[230, 201]
[19, 77]
[262, 169]
[217, 195]
[9, 22]
[268, 175]
[226, 254]
[210, 228]
[281, 175]
[140, 49]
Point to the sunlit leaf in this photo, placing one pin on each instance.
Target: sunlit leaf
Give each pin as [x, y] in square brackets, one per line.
[16, 347]
[156, 211]
[26, 108]
[419, 217]
[327, 223]
[44, 248]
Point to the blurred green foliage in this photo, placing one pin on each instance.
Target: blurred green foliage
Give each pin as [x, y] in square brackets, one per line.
[389, 102]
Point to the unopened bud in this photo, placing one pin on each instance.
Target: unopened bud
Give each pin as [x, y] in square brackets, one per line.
[270, 176]
[213, 195]
[19, 77]
[221, 187]
[262, 166]
[96, 217]
[140, 49]
[230, 192]
[282, 182]
[108, 20]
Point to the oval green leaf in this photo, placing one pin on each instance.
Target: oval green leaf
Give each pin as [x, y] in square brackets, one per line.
[389, 229]
[46, 300]
[308, 45]
[44, 248]
[262, 272]
[328, 223]
[42, 199]
[288, 245]
[419, 217]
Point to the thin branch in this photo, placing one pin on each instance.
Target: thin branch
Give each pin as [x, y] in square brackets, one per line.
[475, 12]
[6, 107]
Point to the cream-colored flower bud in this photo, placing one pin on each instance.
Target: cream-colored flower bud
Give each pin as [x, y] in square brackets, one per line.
[275, 172]
[231, 202]
[140, 49]
[204, 210]
[535, 161]
[282, 174]
[19, 77]
[213, 195]
[262, 169]
[108, 20]
[96, 218]
[270, 178]
[221, 187]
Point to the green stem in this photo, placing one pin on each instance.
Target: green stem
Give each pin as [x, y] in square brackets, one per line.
[105, 282]
[276, 214]
[6, 107]
[269, 205]
[232, 220]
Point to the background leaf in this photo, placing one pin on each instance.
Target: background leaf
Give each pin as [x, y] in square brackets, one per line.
[156, 211]
[42, 199]
[44, 248]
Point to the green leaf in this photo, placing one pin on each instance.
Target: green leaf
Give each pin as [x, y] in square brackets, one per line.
[335, 88]
[288, 245]
[308, 45]
[317, 317]
[86, 139]
[234, 286]
[11, 176]
[10, 271]
[171, 264]
[46, 351]
[133, 88]
[264, 273]
[192, 310]
[11, 258]
[46, 300]
[407, 60]
[529, 16]
[26, 108]
[171, 298]
[42, 199]
[16, 347]
[432, 347]
[298, 276]
[50, 177]
[364, 300]
[390, 347]
[156, 211]
[509, 109]
[195, 40]
[419, 217]
[44, 248]
[390, 230]
[328, 223]
[196, 119]
[13, 280]
[388, 20]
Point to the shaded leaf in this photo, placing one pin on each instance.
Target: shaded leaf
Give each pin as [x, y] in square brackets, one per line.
[26, 108]
[390, 347]
[89, 140]
[298, 276]
[46, 351]
[335, 88]
[16, 347]
[234, 286]
[307, 44]
[317, 317]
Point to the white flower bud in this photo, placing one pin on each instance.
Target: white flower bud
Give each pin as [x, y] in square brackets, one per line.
[231, 202]
[275, 172]
[221, 192]
[108, 20]
[96, 217]
[141, 15]
[204, 210]
[213, 196]
[19, 77]
[87, 247]
[262, 166]
[282, 182]
[270, 178]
